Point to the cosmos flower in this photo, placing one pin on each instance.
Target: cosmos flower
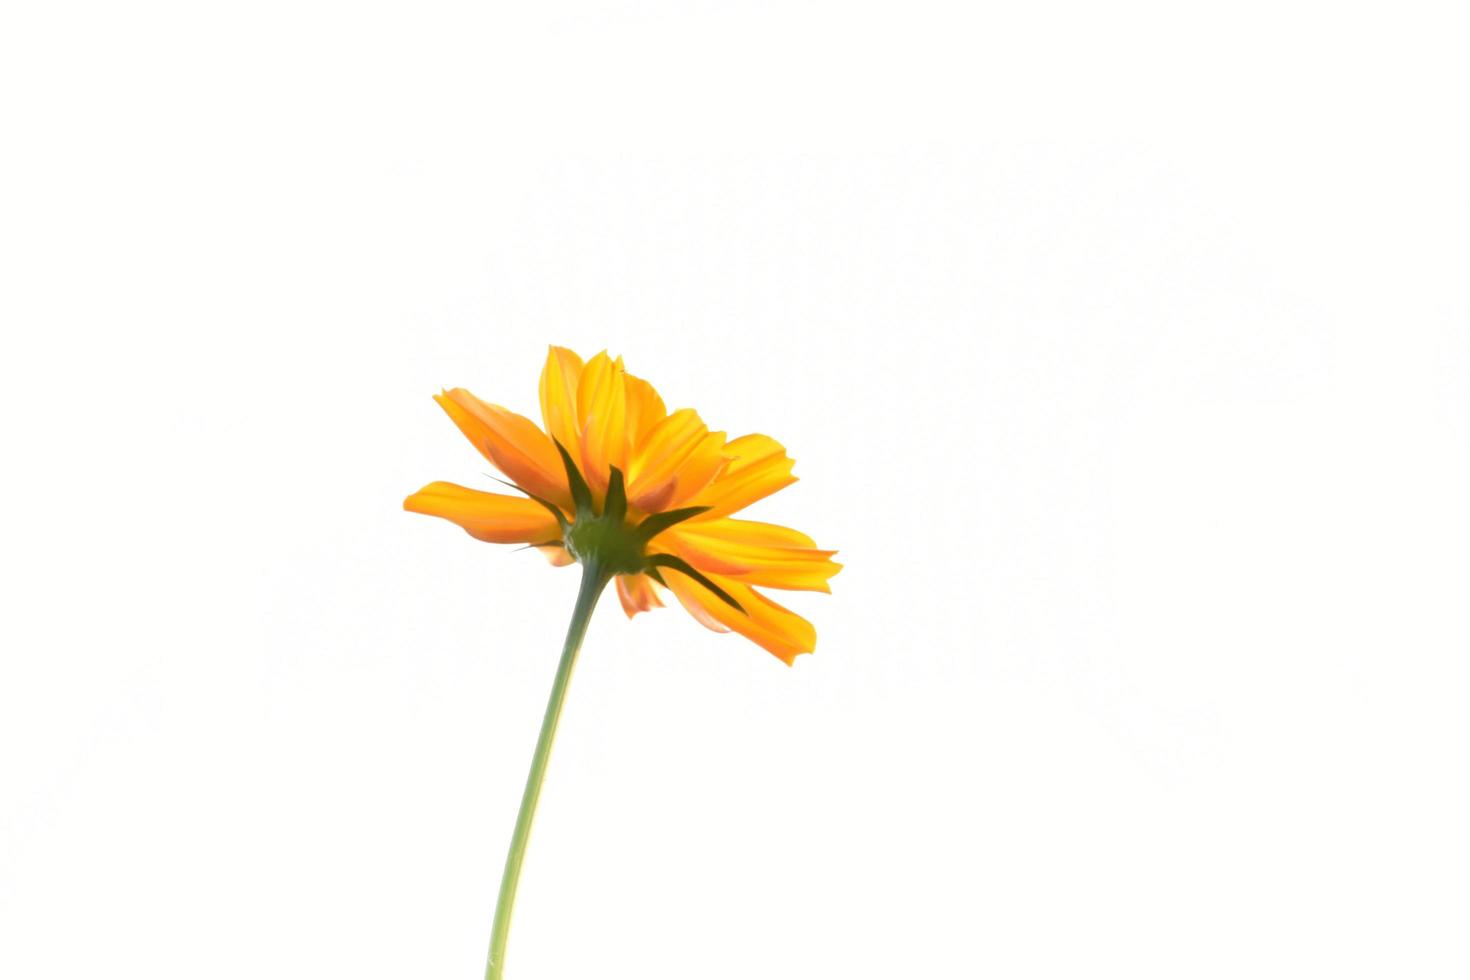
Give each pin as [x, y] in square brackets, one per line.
[637, 495]
[643, 496]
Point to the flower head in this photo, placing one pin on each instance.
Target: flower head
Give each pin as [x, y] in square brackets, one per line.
[644, 495]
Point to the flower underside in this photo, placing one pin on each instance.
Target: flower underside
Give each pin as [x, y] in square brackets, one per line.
[645, 496]
[606, 541]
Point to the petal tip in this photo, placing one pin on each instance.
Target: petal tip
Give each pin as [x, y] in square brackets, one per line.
[414, 502]
[789, 658]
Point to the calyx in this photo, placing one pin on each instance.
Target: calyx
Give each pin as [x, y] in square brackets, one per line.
[607, 542]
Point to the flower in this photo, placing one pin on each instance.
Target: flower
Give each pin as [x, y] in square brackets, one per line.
[644, 495]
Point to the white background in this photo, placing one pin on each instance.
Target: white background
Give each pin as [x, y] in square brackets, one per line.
[1124, 354]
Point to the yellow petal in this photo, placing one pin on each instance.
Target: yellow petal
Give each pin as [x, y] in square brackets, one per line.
[724, 547]
[752, 532]
[679, 457]
[602, 409]
[637, 594]
[666, 443]
[488, 516]
[706, 462]
[769, 624]
[758, 467]
[656, 499]
[512, 442]
[645, 410]
[559, 397]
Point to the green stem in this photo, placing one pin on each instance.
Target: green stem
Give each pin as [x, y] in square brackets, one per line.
[593, 582]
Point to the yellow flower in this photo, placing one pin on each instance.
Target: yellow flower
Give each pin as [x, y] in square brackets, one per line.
[617, 481]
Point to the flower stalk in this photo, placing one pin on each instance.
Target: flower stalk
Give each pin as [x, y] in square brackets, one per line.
[606, 546]
[594, 580]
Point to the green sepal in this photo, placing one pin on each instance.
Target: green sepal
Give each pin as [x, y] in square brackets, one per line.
[680, 565]
[581, 493]
[662, 521]
[615, 503]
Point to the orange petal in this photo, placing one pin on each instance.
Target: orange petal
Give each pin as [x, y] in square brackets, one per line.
[695, 609]
[602, 407]
[637, 594]
[726, 552]
[758, 467]
[559, 397]
[556, 554]
[512, 442]
[767, 623]
[488, 516]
